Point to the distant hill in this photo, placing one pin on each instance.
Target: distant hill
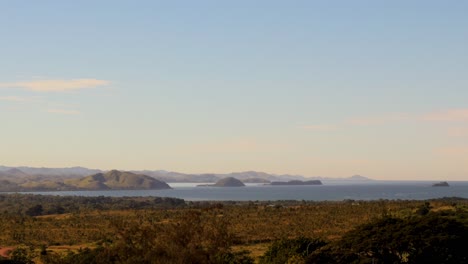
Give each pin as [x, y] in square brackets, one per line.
[14, 175]
[255, 180]
[45, 186]
[63, 172]
[229, 182]
[118, 180]
[359, 178]
[15, 180]
[15, 172]
[8, 186]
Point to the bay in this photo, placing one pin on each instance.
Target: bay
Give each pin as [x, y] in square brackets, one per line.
[330, 191]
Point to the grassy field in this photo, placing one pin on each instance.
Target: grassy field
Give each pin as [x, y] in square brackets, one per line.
[250, 226]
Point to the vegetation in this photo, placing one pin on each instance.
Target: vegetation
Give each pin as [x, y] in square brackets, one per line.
[291, 250]
[432, 238]
[53, 229]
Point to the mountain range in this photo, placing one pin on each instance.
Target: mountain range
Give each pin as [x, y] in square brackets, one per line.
[80, 178]
[167, 176]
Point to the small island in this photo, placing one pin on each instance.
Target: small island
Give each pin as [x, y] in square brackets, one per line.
[225, 182]
[441, 184]
[297, 182]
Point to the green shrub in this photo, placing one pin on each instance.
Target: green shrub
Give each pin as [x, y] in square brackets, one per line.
[289, 250]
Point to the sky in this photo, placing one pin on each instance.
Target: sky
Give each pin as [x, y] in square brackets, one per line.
[316, 88]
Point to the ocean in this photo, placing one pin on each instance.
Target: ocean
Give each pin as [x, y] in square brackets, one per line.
[329, 191]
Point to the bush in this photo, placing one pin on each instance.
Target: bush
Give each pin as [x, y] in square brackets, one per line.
[290, 250]
[431, 238]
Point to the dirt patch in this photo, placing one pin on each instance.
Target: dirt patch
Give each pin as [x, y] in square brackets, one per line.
[5, 251]
[256, 250]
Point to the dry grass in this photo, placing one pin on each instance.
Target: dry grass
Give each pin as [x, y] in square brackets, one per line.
[255, 225]
[255, 250]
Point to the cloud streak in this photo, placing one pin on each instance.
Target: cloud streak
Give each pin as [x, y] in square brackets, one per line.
[379, 120]
[13, 99]
[240, 145]
[457, 131]
[444, 116]
[448, 115]
[63, 111]
[451, 115]
[319, 128]
[56, 85]
[453, 151]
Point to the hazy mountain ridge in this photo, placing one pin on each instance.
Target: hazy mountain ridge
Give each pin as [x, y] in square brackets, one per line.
[80, 178]
[63, 172]
[15, 180]
[243, 176]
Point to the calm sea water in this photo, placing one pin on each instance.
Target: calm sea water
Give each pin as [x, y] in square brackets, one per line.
[332, 191]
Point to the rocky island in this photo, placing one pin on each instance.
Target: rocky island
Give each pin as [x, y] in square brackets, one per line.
[226, 182]
[441, 184]
[297, 182]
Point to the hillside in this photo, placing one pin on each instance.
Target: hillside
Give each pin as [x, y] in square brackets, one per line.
[117, 180]
[15, 180]
[229, 182]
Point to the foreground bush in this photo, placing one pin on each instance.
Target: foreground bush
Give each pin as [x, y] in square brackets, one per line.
[431, 238]
[290, 250]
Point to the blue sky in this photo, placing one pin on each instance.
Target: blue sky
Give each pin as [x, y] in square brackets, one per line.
[318, 88]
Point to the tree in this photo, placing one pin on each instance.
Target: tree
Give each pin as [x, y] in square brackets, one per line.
[35, 210]
[22, 255]
[431, 238]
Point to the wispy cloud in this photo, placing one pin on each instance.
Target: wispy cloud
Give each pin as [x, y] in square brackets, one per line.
[457, 131]
[453, 151]
[63, 111]
[379, 120]
[451, 115]
[13, 99]
[56, 85]
[319, 128]
[360, 121]
[239, 145]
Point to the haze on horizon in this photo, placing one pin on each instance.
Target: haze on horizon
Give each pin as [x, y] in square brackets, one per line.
[315, 88]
